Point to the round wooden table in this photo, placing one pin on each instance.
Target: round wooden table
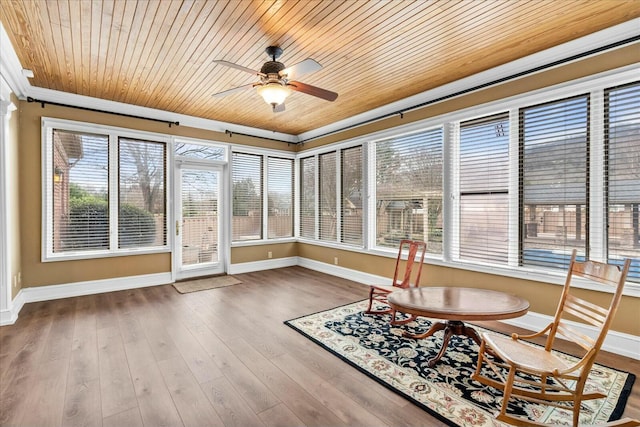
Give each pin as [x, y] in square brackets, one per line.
[454, 306]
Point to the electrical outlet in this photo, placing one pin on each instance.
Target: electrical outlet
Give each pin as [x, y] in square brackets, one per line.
[20, 278]
[269, 254]
[335, 260]
[15, 281]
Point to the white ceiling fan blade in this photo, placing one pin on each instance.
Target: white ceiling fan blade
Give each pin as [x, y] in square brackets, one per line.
[313, 91]
[232, 90]
[305, 67]
[237, 67]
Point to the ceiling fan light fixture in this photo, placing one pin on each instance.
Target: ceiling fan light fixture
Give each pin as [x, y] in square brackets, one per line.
[274, 93]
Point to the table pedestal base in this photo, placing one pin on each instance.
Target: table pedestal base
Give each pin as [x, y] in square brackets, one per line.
[450, 327]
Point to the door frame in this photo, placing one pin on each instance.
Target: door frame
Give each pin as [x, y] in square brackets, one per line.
[224, 252]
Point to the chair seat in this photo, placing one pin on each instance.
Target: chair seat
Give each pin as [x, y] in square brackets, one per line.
[524, 356]
[385, 288]
[414, 251]
[544, 377]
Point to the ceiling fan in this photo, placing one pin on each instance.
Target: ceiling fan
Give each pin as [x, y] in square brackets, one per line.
[276, 81]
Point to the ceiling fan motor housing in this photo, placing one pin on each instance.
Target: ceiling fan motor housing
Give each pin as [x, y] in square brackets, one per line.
[274, 85]
[272, 67]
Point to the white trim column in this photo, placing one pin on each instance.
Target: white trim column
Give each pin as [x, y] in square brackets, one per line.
[6, 108]
[514, 231]
[598, 232]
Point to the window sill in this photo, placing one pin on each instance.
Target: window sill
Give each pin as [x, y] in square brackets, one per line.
[523, 273]
[537, 275]
[243, 243]
[102, 254]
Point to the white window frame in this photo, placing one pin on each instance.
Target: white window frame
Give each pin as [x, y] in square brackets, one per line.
[224, 215]
[298, 193]
[265, 154]
[337, 149]
[47, 126]
[593, 85]
[457, 196]
[265, 196]
[363, 157]
[373, 237]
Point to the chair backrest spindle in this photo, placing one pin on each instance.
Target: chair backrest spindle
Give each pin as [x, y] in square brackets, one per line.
[414, 249]
[597, 316]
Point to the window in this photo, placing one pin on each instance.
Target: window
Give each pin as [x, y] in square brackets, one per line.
[557, 171]
[327, 173]
[484, 183]
[246, 181]
[409, 190]
[80, 196]
[351, 187]
[261, 180]
[622, 151]
[88, 213]
[280, 197]
[141, 193]
[554, 181]
[331, 201]
[200, 151]
[308, 197]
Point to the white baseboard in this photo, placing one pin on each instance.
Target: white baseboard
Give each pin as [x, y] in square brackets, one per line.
[615, 342]
[46, 293]
[345, 273]
[267, 264]
[10, 315]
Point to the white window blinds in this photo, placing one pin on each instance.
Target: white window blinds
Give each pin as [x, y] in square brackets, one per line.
[409, 189]
[328, 209]
[554, 141]
[308, 197]
[280, 197]
[247, 196]
[80, 196]
[141, 193]
[351, 209]
[484, 183]
[622, 153]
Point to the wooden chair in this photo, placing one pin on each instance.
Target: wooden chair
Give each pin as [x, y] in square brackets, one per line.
[556, 382]
[401, 277]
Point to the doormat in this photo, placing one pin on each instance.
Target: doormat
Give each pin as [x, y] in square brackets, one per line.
[378, 349]
[204, 284]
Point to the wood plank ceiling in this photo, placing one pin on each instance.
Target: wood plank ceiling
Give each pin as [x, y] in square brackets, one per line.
[159, 53]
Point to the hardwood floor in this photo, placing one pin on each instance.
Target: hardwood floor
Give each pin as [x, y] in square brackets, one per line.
[154, 357]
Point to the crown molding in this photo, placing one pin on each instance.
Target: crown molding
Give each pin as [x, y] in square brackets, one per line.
[10, 69]
[584, 44]
[88, 102]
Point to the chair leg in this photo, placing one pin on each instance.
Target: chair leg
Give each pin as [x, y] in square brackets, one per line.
[370, 300]
[476, 375]
[396, 322]
[507, 394]
[576, 410]
[578, 398]
[376, 296]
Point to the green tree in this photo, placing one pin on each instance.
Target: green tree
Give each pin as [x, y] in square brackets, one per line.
[246, 198]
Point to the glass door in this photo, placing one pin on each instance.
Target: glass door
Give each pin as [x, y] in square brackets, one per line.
[198, 243]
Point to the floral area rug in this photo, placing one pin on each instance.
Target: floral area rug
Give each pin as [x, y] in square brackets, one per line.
[371, 344]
